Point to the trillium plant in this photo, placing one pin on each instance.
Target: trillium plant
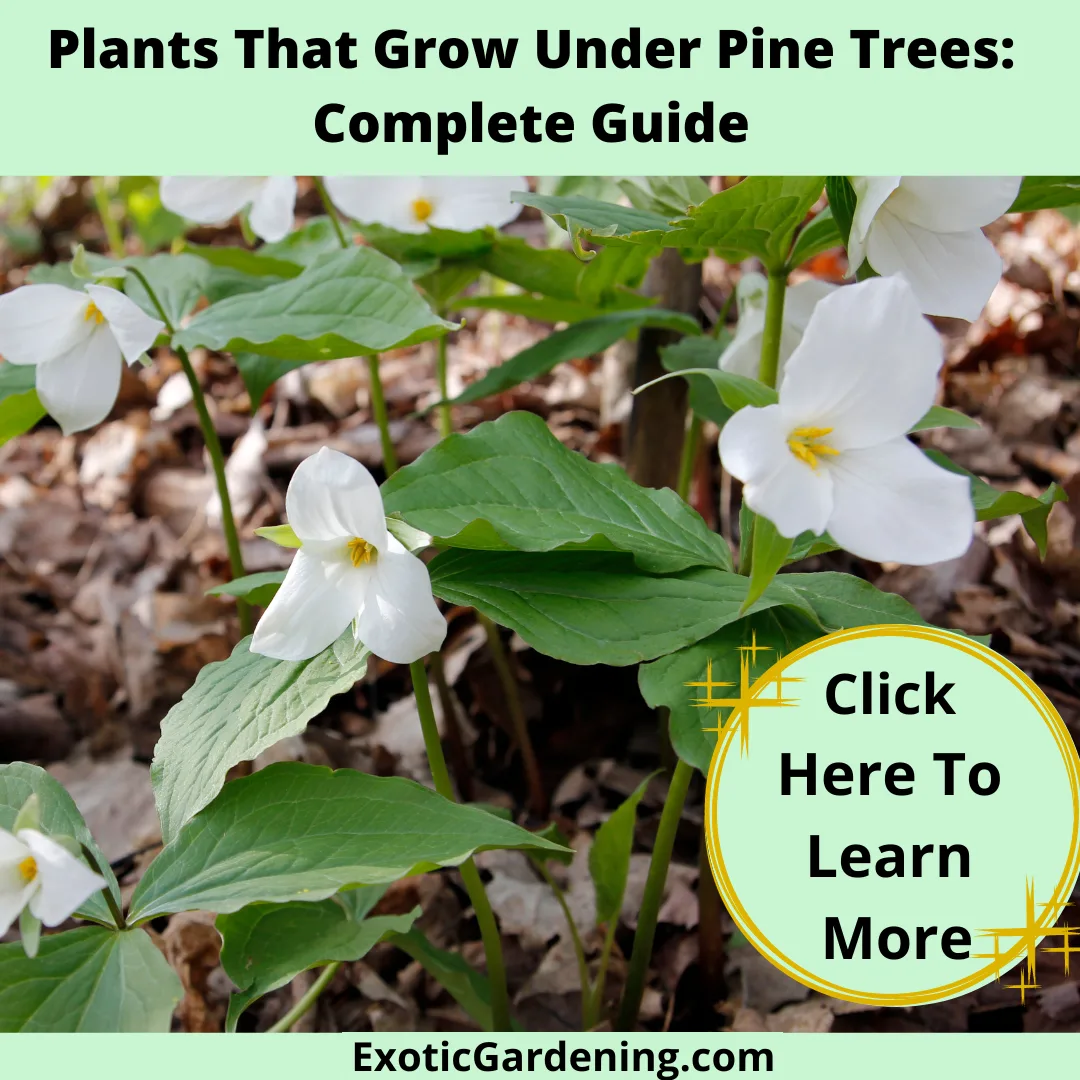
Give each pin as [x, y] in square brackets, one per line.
[812, 392]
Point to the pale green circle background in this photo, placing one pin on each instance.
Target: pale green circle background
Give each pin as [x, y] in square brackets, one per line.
[1023, 831]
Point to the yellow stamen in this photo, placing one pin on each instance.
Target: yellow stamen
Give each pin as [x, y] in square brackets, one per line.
[92, 312]
[361, 552]
[28, 869]
[422, 208]
[807, 445]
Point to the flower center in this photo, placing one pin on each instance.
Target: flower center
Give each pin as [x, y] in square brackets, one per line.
[361, 552]
[28, 869]
[422, 208]
[806, 443]
[92, 312]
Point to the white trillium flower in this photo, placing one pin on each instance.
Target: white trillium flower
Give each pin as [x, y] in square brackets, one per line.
[833, 455]
[78, 342]
[412, 203]
[349, 569]
[928, 229]
[743, 355]
[39, 872]
[212, 200]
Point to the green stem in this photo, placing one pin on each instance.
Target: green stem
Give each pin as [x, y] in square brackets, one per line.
[596, 1003]
[579, 947]
[331, 211]
[114, 909]
[113, 233]
[213, 448]
[378, 409]
[301, 1008]
[537, 797]
[446, 412]
[654, 891]
[691, 446]
[774, 327]
[470, 876]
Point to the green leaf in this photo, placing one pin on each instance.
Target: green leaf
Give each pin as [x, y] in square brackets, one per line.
[302, 832]
[91, 979]
[538, 308]
[593, 608]
[511, 484]
[261, 372]
[237, 708]
[817, 236]
[938, 416]
[242, 260]
[18, 412]
[838, 601]
[16, 379]
[304, 246]
[609, 856]
[991, 503]
[432, 244]
[578, 214]
[178, 282]
[551, 272]
[351, 303]
[770, 552]
[690, 354]
[59, 817]
[282, 535]
[256, 589]
[265, 946]
[842, 202]
[666, 195]
[756, 217]
[734, 391]
[470, 989]
[582, 339]
[1046, 193]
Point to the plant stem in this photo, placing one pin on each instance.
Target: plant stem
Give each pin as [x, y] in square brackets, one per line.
[459, 760]
[113, 233]
[654, 891]
[596, 1003]
[579, 947]
[470, 876]
[774, 327]
[691, 446]
[446, 412]
[213, 448]
[378, 409]
[301, 1008]
[331, 211]
[537, 796]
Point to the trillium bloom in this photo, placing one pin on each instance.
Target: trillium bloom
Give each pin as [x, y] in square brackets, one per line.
[928, 229]
[78, 342]
[212, 200]
[833, 455]
[349, 569]
[743, 355]
[412, 203]
[40, 872]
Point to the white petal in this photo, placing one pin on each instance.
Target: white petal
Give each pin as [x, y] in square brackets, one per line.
[743, 355]
[867, 366]
[381, 200]
[78, 390]
[209, 200]
[473, 202]
[316, 602]
[41, 322]
[14, 888]
[332, 497]
[400, 620]
[273, 208]
[66, 882]
[953, 203]
[951, 273]
[776, 484]
[891, 503]
[870, 193]
[133, 329]
[801, 300]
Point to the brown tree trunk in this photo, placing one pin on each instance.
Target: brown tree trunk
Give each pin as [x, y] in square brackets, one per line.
[658, 419]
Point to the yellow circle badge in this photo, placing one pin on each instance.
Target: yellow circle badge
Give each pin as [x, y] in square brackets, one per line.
[893, 816]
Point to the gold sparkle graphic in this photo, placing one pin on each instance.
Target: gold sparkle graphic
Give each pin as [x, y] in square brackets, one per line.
[1028, 937]
[743, 700]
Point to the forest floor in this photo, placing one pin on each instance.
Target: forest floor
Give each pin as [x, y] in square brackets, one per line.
[108, 543]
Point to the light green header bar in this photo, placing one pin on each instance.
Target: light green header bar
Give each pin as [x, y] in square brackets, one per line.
[934, 118]
[660, 1057]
